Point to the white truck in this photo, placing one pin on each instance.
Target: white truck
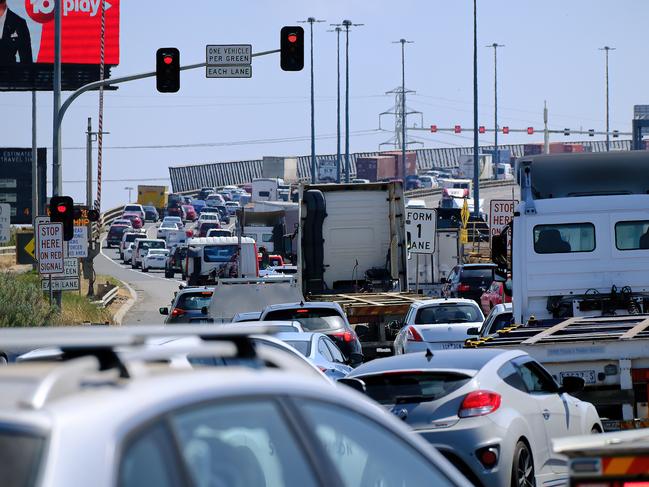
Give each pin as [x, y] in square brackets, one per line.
[284, 168]
[466, 168]
[266, 189]
[580, 276]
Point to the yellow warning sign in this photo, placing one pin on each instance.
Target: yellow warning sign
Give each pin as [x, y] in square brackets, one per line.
[464, 214]
[29, 248]
[464, 236]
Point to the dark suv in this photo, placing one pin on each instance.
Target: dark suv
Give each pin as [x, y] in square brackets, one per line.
[469, 281]
[175, 261]
[115, 233]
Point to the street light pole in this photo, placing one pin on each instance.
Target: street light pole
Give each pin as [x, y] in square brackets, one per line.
[347, 24]
[495, 46]
[311, 21]
[606, 49]
[129, 189]
[403, 43]
[337, 30]
[476, 160]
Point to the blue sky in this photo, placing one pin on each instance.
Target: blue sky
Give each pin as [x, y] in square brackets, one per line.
[551, 54]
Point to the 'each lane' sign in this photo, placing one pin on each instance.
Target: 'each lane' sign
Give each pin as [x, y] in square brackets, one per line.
[421, 225]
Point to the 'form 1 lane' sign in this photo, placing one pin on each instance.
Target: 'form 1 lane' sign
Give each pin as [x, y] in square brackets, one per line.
[421, 225]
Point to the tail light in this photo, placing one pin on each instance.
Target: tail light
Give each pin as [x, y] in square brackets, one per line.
[413, 335]
[462, 288]
[479, 403]
[345, 336]
[177, 312]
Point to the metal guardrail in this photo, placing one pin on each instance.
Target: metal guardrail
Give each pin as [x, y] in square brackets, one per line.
[7, 250]
[108, 298]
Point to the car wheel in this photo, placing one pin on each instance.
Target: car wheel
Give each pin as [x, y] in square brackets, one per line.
[133, 266]
[522, 467]
[169, 274]
[595, 430]
[144, 269]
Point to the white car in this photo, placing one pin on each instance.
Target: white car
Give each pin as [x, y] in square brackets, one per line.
[173, 219]
[135, 208]
[166, 228]
[438, 324]
[207, 217]
[128, 252]
[154, 259]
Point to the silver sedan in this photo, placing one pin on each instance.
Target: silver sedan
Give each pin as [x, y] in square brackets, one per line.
[493, 413]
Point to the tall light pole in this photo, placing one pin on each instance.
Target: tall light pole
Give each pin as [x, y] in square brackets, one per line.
[337, 30]
[495, 46]
[476, 160]
[347, 24]
[129, 189]
[403, 43]
[311, 21]
[606, 49]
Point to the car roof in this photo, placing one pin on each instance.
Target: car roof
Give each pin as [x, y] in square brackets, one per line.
[308, 304]
[441, 301]
[467, 359]
[478, 266]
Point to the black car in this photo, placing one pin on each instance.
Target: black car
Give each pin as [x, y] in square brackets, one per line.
[175, 260]
[469, 281]
[205, 192]
[322, 318]
[115, 233]
[175, 211]
[151, 214]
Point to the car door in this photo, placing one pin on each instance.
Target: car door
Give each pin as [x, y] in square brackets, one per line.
[554, 410]
[338, 358]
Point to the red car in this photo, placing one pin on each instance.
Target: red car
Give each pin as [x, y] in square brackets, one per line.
[190, 213]
[494, 295]
[136, 221]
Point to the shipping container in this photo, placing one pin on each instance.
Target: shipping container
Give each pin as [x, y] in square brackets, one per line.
[411, 163]
[284, 168]
[532, 149]
[380, 168]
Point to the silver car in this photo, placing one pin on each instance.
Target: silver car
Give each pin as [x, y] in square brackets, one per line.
[493, 413]
[319, 349]
[78, 423]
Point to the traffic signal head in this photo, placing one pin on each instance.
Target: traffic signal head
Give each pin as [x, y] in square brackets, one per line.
[167, 70]
[62, 211]
[530, 130]
[482, 129]
[291, 46]
[505, 130]
[433, 128]
[457, 129]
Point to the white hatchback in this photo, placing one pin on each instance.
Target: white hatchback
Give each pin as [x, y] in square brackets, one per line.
[438, 324]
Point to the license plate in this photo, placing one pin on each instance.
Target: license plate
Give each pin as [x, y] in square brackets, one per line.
[452, 346]
[587, 375]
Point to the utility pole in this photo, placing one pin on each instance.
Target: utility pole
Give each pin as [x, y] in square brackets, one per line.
[311, 21]
[403, 43]
[90, 274]
[495, 46]
[35, 211]
[337, 30]
[546, 132]
[476, 157]
[606, 49]
[129, 189]
[347, 24]
[56, 140]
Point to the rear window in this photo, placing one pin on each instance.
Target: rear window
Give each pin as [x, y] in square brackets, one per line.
[486, 273]
[152, 244]
[194, 301]
[132, 208]
[132, 236]
[219, 253]
[304, 347]
[311, 319]
[412, 387]
[118, 230]
[21, 455]
[564, 238]
[448, 313]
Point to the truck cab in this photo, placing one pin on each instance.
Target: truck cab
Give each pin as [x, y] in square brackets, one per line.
[580, 244]
[213, 258]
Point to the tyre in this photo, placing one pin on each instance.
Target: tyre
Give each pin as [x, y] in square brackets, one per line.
[595, 430]
[121, 256]
[522, 467]
[169, 274]
[144, 269]
[133, 266]
[107, 245]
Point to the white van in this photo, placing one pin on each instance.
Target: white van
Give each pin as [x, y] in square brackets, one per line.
[213, 258]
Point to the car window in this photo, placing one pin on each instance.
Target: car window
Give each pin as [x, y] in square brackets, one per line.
[412, 387]
[150, 459]
[632, 235]
[364, 453]
[194, 300]
[311, 319]
[564, 238]
[240, 444]
[501, 321]
[536, 379]
[21, 454]
[302, 346]
[477, 274]
[324, 351]
[508, 372]
[335, 351]
[220, 253]
[448, 313]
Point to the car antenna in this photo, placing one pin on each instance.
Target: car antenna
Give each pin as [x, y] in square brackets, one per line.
[429, 354]
[301, 303]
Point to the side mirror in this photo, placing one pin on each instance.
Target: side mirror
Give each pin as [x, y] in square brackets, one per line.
[164, 311]
[361, 331]
[355, 359]
[473, 331]
[204, 310]
[572, 385]
[356, 384]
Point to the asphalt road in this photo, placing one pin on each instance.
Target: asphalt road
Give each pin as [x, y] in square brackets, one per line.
[488, 194]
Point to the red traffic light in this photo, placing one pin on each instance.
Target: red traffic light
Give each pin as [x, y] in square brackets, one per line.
[481, 129]
[505, 130]
[433, 128]
[61, 208]
[530, 130]
[457, 129]
[292, 38]
[168, 60]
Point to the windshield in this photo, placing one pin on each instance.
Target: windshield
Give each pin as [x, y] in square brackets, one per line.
[412, 387]
[220, 253]
[21, 457]
[448, 313]
[311, 319]
[209, 216]
[152, 244]
[194, 300]
[304, 347]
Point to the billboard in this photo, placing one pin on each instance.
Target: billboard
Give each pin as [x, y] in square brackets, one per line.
[16, 182]
[27, 42]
